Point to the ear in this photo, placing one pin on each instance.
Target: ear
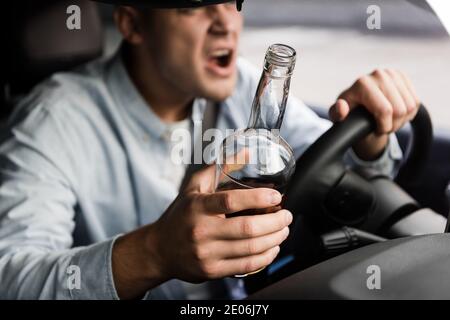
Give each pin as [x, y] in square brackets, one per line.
[128, 22]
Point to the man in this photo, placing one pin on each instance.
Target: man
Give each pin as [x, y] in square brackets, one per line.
[86, 180]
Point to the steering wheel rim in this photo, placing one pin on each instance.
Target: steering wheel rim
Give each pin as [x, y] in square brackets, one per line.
[320, 172]
[418, 150]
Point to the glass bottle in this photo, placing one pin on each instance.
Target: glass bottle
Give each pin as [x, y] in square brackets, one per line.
[258, 156]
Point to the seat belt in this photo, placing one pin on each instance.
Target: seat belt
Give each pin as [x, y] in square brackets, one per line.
[209, 121]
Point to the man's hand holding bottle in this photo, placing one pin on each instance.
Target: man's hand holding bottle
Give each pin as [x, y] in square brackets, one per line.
[193, 241]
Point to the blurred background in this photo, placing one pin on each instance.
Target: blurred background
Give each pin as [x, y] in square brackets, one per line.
[335, 46]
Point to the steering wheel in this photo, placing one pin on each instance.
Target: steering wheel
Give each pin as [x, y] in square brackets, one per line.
[326, 196]
[331, 195]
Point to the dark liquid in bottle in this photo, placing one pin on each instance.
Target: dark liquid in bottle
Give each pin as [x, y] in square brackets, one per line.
[272, 182]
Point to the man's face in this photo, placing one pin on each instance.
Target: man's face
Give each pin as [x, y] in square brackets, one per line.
[195, 50]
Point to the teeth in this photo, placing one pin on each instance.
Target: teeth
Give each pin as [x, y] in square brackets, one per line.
[220, 53]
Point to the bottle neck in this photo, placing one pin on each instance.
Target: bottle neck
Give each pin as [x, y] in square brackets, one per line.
[271, 96]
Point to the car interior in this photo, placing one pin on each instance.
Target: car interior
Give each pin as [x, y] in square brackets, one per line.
[367, 219]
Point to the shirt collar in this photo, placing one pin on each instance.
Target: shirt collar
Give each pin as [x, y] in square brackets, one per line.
[127, 96]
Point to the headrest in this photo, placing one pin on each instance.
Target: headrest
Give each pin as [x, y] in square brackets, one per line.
[49, 36]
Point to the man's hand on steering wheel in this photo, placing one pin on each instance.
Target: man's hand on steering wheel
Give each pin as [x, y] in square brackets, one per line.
[389, 96]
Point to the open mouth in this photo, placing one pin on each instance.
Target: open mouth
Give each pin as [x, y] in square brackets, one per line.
[220, 61]
[222, 57]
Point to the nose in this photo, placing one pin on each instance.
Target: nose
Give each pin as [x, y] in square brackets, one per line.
[223, 19]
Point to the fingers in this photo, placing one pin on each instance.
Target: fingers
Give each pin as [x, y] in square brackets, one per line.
[247, 247]
[223, 247]
[236, 200]
[365, 91]
[412, 91]
[253, 226]
[397, 95]
[387, 94]
[339, 110]
[203, 180]
[399, 80]
[249, 264]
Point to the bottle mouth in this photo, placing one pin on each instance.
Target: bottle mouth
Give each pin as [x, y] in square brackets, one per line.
[281, 55]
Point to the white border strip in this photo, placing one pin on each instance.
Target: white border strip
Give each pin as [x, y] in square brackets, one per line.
[442, 10]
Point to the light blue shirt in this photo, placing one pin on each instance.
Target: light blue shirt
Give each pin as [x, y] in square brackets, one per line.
[84, 160]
